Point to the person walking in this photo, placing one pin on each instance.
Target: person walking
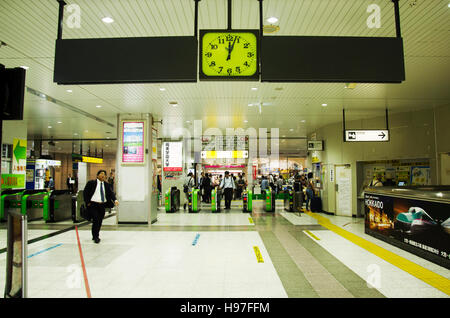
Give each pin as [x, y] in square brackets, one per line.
[310, 193]
[228, 186]
[201, 187]
[70, 182]
[189, 183]
[264, 186]
[97, 196]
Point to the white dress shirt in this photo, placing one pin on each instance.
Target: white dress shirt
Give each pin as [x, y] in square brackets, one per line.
[97, 197]
[227, 183]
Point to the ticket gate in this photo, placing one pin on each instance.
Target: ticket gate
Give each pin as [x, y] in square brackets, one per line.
[77, 202]
[215, 200]
[60, 206]
[172, 200]
[194, 201]
[35, 204]
[293, 200]
[247, 200]
[10, 200]
[270, 200]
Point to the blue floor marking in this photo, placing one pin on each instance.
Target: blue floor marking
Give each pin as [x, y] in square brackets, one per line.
[47, 249]
[196, 240]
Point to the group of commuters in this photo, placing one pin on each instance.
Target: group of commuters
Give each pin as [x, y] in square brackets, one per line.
[228, 186]
[299, 182]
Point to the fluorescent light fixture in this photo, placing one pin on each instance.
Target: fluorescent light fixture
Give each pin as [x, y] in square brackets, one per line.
[99, 106]
[254, 88]
[69, 91]
[59, 122]
[50, 127]
[303, 121]
[324, 105]
[291, 129]
[272, 20]
[162, 89]
[108, 20]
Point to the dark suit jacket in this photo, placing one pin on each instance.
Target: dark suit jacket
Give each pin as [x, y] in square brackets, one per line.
[89, 191]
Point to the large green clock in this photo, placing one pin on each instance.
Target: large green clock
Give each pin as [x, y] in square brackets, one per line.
[229, 55]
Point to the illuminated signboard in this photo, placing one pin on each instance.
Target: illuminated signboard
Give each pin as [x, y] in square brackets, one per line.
[133, 142]
[366, 135]
[225, 154]
[172, 156]
[92, 159]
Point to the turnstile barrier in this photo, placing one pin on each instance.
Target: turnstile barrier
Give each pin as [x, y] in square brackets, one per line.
[60, 206]
[35, 204]
[10, 201]
[270, 200]
[247, 200]
[194, 201]
[172, 200]
[215, 200]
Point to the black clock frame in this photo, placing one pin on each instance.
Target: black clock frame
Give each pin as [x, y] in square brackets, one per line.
[254, 77]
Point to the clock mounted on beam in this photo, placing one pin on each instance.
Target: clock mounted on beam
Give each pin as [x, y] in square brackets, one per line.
[229, 55]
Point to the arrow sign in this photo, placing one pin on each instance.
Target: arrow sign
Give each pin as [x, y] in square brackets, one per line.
[19, 152]
[366, 135]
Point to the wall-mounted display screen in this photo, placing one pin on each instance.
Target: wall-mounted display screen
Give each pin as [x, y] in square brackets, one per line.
[133, 133]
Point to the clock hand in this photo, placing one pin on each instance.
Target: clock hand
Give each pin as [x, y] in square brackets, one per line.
[232, 47]
[229, 51]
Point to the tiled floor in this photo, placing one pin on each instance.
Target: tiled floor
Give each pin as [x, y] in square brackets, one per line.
[206, 255]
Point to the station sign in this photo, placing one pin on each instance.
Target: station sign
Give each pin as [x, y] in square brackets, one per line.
[366, 135]
[92, 159]
[232, 154]
[172, 156]
[314, 145]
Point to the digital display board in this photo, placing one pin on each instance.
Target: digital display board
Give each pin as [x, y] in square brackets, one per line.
[133, 138]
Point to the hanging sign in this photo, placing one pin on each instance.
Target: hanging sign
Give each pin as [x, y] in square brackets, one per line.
[133, 142]
[366, 135]
[172, 156]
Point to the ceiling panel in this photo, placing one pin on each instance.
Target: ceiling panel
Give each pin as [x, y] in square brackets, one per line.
[29, 27]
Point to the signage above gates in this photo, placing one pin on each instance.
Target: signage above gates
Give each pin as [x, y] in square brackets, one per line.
[366, 135]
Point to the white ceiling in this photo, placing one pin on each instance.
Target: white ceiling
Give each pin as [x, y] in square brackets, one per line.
[29, 27]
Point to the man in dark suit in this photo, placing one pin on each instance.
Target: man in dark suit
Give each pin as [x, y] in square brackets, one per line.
[98, 195]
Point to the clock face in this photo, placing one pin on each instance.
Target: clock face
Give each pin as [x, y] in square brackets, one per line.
[229, 54]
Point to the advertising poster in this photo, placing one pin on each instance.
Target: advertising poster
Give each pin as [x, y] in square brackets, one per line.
[420, 176]
[424, 225]
[172, 156]
[133, 142]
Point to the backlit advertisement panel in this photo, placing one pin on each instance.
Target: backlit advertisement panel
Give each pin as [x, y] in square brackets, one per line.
[133, 142]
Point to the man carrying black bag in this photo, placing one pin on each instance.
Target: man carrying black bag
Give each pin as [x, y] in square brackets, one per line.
[98, 195]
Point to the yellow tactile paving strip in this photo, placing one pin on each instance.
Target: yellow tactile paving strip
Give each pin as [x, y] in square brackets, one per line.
[427, 276]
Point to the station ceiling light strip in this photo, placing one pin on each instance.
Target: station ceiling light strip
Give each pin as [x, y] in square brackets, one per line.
[425, 275]
[67, 106]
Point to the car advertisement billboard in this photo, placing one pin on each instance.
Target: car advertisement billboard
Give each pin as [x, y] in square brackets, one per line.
[422, 225]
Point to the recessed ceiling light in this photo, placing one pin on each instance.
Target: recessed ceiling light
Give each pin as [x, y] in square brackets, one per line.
[254, 88]
[49, 126]
[25, 67]
[108, 20]
[272, 20]
[99, 106]
[162, 89]
[291, 129]
[69, 91]
[59, 122]
[324, 105]
[303, 121]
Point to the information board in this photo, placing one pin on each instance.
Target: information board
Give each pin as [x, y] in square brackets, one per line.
[366, 135]
[172, 156]
[133, 141]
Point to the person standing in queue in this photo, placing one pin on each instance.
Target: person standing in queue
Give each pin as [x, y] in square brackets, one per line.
[97, 195]
[189, 183]
[228, 187]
